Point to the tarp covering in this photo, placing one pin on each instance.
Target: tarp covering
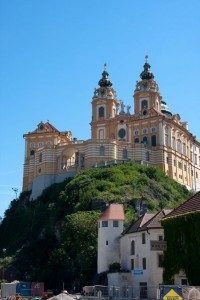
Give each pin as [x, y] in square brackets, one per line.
[62, 296]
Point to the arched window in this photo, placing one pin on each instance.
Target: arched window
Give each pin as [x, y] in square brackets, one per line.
[102, 151]
[32, 152]
[132, 247]
[101, 111]
[125, 155]
[145, 141]
[144, 104]
[153, 140]
[136, 140]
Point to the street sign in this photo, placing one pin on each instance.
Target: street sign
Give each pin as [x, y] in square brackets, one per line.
[137, 272]
[172, 295]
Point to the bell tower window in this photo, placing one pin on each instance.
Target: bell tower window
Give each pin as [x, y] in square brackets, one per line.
[101, 112]
[144, 104]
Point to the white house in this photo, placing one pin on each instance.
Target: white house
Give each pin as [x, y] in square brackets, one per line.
[138, 249]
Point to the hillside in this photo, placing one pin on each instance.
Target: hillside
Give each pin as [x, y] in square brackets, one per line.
[54, 238]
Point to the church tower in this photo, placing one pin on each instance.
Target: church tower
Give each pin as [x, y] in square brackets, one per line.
[146, 94]
[104, 107]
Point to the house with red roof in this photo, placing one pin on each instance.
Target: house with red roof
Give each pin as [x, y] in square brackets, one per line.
[139, 250]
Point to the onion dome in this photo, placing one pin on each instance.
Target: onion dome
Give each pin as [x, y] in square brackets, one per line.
[105, 81]
[165, 109]
[147, 74]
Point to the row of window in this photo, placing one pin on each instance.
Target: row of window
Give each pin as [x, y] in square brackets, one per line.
[144, 131]
[124, 153]
[144, 262]
[181, 166]
[115, 223]
[132, 246]
[40, 144]
[145, 140]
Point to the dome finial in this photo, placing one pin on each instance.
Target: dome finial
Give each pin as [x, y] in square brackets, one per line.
[105, 81]
[147, 74]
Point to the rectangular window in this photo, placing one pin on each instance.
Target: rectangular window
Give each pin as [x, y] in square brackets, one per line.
[160, 238]
[115, 223]
[184, 281]
[132, 264]
[143, 290]
[160, 260]
[144, 265]
[104, 223]
[143, 238]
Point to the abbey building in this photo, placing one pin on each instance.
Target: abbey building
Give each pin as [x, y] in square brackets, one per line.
[151, 135]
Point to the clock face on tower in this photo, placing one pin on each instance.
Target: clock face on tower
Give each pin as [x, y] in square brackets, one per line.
[122, 133]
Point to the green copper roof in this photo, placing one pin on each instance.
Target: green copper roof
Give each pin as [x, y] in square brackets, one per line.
[105, 81]
[147, 74]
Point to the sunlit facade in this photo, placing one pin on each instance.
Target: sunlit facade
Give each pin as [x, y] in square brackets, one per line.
[151, 135]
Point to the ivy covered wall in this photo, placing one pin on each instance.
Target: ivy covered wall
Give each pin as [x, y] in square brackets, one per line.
[182, 234]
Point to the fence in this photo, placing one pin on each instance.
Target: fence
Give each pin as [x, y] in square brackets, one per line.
[99, 292]
[121, 292]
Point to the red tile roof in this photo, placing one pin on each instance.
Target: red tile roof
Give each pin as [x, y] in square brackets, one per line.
[190, 205]
[113, 212]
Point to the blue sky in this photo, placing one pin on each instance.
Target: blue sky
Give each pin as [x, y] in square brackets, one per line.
[52, 54]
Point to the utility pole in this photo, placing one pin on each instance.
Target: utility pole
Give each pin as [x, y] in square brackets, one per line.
[4, 254]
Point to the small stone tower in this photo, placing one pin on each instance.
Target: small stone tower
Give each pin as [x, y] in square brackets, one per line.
[110, 227]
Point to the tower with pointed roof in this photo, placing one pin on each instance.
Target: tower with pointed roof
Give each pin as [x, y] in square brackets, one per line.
[104, 107]
[146, 94]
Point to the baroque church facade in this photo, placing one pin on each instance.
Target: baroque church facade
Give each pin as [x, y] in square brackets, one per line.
[152, 135]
